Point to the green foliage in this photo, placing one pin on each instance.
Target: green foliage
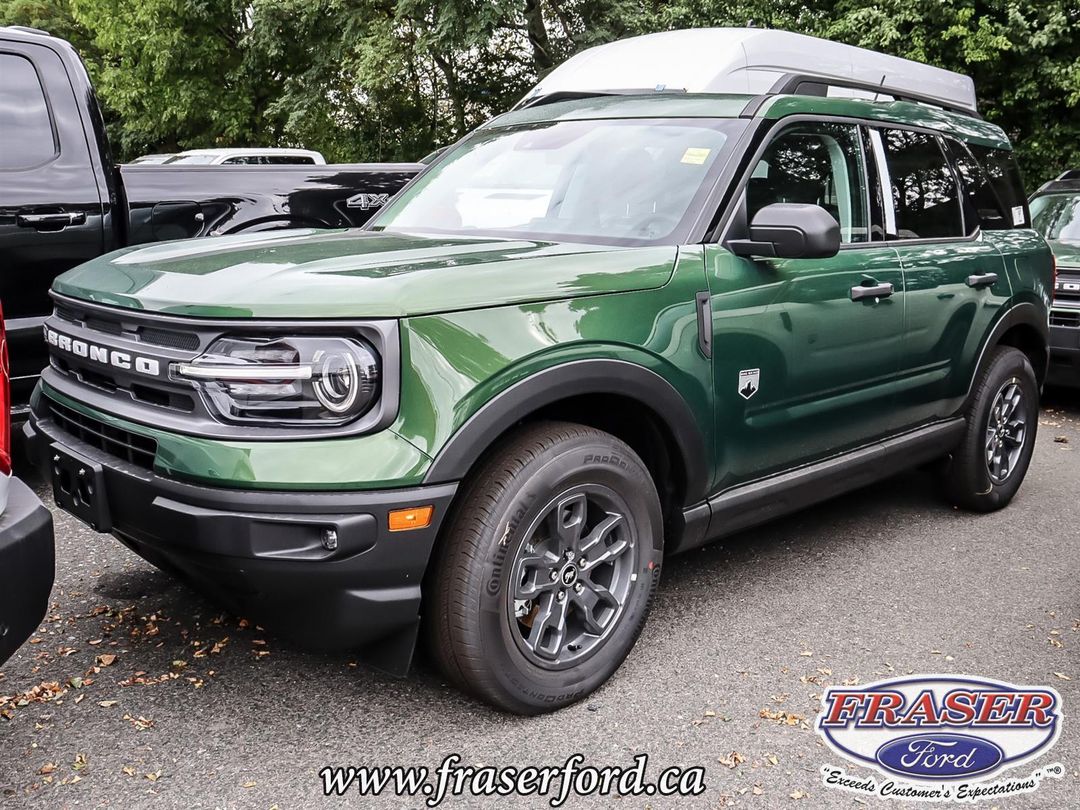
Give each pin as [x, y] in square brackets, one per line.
[392, 79]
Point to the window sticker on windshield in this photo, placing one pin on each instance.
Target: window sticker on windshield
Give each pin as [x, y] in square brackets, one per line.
[1017, 212]
[696, 155]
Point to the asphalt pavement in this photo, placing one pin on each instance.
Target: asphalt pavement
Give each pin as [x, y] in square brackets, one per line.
[137, 692]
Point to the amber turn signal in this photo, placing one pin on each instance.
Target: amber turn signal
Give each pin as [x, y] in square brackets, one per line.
[418, 517]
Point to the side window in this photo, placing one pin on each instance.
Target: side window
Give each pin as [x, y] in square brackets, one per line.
[815, 163]
[981, 205]
[1004, 174]
[26, 133]
[926, 199]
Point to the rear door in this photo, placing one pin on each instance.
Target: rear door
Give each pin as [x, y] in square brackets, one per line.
[954, 276]
[804, 362]
[51, 214]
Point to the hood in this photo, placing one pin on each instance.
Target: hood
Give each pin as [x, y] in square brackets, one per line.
[1066, 253]
[356, 274]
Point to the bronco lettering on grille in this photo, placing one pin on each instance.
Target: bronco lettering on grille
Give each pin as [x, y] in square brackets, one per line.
[102, 354]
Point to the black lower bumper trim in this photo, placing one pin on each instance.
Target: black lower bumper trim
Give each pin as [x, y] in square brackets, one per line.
[27, 566]
[320, 568]
[1064, 356]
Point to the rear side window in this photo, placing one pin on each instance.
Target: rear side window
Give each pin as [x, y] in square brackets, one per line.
[982, 208]
[926, 199]
[288, 160]
[26, 133]
[1004, 174]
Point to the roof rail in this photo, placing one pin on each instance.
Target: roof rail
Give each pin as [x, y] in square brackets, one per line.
[802, 84]
[1069, 174]
[748, 61]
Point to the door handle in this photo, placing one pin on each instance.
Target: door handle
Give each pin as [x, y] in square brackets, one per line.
[982, 280]
[50, 222]
[871, 289]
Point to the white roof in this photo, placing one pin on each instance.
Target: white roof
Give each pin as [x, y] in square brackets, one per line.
[746, 60]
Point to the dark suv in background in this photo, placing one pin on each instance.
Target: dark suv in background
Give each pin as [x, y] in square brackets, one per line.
[1055, 212]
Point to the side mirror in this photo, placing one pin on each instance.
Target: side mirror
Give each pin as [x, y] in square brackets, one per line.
[790, 231]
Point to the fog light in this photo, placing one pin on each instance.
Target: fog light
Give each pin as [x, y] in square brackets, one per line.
[418, 517]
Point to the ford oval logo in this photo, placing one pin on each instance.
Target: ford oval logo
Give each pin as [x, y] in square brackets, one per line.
[939, 756]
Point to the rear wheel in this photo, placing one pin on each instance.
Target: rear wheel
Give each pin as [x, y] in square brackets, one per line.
[1002, 419]
[543, 580]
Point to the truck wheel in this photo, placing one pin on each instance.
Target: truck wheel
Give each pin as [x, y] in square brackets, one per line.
[1002, 419]
[544, 577]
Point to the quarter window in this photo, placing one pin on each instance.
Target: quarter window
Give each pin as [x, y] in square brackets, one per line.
[1004, 174]
[26, 133]
[981, 205]
[815, 163]
[925, 196]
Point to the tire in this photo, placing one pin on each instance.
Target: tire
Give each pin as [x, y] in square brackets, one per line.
[970, 480]
[510, 652]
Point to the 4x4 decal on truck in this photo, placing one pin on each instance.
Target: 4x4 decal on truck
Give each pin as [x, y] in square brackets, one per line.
[367, 201]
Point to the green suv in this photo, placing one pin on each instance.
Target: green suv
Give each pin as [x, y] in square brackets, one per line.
[603, 328]
[1055, 213]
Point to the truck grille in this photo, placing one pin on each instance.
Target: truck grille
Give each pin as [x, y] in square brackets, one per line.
[131, 447]
[156, 336]
[1062, 318]
[1068, 287]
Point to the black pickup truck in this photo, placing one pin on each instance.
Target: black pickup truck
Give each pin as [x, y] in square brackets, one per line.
[63, 201]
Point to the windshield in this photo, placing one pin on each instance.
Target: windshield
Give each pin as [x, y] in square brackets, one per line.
[193, 159]
[637, 181]
[1057, 217]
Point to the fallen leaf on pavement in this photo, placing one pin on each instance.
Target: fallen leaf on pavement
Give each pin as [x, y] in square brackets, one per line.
[732, 759]
[106, 659]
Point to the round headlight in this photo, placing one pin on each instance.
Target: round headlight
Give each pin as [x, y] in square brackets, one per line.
[336, 381]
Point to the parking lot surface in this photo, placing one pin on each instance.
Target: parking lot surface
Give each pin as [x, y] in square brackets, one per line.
[136, 691]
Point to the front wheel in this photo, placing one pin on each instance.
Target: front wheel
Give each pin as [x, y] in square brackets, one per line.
[1002, 419]
[544, 578]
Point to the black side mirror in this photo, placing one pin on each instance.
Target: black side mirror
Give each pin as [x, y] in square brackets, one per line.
[790, 231]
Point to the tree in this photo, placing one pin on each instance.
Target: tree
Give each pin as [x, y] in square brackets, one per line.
[392, 79]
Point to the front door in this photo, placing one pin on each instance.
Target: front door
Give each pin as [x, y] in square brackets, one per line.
[805, 352]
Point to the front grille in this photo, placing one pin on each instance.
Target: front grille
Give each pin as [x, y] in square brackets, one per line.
[1060, 318]
[124, 325]
[123, 444]
[168, 338]
[1071, 296]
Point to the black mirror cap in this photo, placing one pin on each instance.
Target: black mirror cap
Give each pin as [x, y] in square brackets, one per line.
[791, 231]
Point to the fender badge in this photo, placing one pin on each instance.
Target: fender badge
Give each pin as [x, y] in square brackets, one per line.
[749, 382]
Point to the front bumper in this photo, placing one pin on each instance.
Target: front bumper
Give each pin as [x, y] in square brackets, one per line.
[1064, 356]
[27, 566]
[262, 553]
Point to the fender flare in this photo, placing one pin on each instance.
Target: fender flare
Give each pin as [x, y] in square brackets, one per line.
[575, 378]
[1024, 313]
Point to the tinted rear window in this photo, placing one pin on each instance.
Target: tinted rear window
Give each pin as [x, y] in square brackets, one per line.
[982, 207]
[1004, 174]
[924, 191]
[26, 133]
